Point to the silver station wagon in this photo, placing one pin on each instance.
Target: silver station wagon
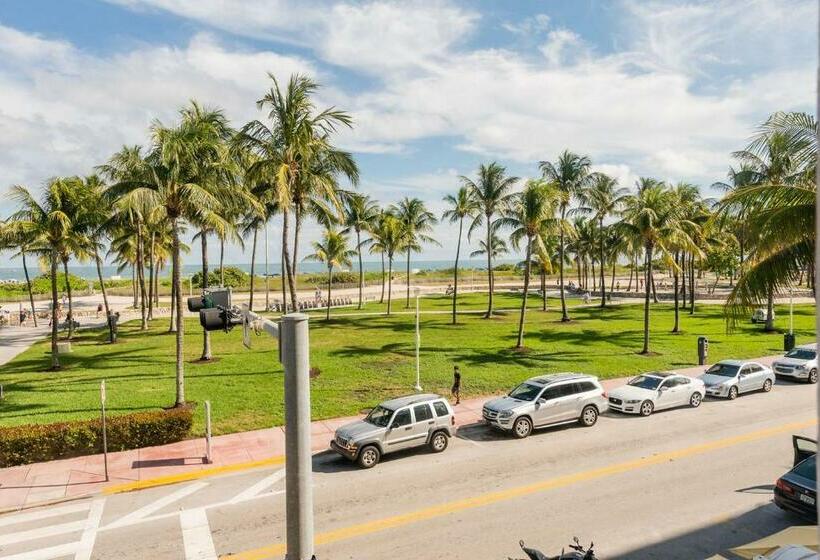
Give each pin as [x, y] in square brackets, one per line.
[546, 400]
[402, 423]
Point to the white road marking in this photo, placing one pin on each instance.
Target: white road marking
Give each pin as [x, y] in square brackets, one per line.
[257, 488]
[43, 513]
[90, 532]
[157, 505]
[196, 535]
[42, 532]
[44, 553]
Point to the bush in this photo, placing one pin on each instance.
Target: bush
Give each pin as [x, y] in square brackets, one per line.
[340, 277]
[20, 445]
[234, 277]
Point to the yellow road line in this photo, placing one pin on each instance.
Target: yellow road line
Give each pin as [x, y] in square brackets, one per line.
[369, 527]
[183, 477]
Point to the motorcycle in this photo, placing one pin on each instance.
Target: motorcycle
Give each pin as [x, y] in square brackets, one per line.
[577, 552]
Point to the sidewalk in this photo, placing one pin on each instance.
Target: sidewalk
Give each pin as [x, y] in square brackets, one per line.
[29, 485]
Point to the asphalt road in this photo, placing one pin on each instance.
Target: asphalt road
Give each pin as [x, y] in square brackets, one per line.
[686, 484]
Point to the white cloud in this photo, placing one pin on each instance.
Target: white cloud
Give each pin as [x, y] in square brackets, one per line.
[529, 26]
[559, 44]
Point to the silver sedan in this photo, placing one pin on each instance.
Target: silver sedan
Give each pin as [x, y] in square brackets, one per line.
[729, 378]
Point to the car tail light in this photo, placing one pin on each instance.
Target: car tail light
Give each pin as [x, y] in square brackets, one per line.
[453, 420]
[783, 487]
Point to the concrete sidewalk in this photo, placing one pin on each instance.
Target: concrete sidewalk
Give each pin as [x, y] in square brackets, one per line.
[29, 485]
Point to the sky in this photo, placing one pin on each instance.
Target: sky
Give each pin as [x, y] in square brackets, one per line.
[666, 89]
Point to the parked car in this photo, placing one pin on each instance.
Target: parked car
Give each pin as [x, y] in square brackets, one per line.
[547, 400]
[796, 491]
[759, 315]
[799, 363]
[402, 423]
[657, 391]
[729, 378]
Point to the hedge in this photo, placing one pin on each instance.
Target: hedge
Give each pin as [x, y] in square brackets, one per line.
[33, 443]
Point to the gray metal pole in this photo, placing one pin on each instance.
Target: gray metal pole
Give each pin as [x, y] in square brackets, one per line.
[208, 432]
[298, 466]
[104, 430]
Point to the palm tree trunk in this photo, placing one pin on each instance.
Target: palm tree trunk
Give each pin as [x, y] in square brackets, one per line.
[180, 373]
[206, 336]
[769, 311]
[676, 328]
[221, 261]
[489, 267]
[389, 281]
[105, 296]
[381, 299]
[134, 284]
[141, 277]
[603, 262]
[692, 284]
[646, 301]
[543, 289]
[55, 359]
[654, 292]
[527, 265]
[70, 316]
[407, 303]
[579, 269]
[455, 269]
[151, 273]
[361, 268]
[329, 284]
[253, 266]
[172, 327]
[631, 270]
[286, 257]
[612, 281]
[592, 265]
[297, 228]
[683, 279]
[28, 284]
[564, 316]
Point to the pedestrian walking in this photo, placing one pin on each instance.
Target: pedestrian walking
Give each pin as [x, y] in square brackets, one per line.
[456, 390]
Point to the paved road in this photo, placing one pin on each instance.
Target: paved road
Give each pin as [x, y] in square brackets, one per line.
[681, 484]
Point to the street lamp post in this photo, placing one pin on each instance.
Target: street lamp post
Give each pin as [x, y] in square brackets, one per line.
[418, 343]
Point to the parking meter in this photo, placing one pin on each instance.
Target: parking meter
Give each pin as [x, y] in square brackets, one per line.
[703, 349]
[788, 341]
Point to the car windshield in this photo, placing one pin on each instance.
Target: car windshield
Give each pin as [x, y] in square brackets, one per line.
[525, 392]
[725, 370]
[807, 468]
[379, 416]
[802, 354]
[646, 382]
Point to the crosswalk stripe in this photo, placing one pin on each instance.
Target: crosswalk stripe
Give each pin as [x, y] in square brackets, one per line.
[257, 488]
[196, 535]
[42, 532]
[89, 536]
[43, 513]
[44, 553]
[157, 505]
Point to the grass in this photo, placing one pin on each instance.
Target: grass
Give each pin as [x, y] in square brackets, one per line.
[362, 359]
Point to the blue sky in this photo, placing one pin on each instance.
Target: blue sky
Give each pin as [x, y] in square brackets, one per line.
[664, 89]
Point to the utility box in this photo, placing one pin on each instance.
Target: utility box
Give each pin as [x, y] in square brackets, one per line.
[703, 349]
[788, 341]
[63, 347]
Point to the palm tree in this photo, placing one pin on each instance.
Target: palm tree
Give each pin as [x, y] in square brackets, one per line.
[462, 205]
[389, 236]
[416, 221]
[14, 236]
[530, 215]
[47, 226]
[571, 175]
[491, 192]
[497, 245]
[377, 243]
[603, 198]
[332, 251]
[653, 217]
[361, 213]
[298, 138]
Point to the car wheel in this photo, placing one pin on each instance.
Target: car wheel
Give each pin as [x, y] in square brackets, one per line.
[813, 376]
[589, 416]
[696, 398]
[647, 407]
[732, 393]
[438, 442]
[522, 427]
[369, 457]
[767, 385]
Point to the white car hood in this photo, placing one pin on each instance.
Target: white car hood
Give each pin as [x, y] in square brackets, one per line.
[711, 380]
[630, 393]
[793, 362]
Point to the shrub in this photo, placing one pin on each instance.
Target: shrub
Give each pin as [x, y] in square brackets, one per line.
[340, 277]
[20, 445]
[234, 277]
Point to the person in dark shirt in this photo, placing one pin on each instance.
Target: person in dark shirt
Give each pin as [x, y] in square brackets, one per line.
[456, 390]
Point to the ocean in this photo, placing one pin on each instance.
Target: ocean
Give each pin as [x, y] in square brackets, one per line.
[90, 271]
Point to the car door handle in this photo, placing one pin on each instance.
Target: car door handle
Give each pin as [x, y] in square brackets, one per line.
[431, 422]
[409, 428]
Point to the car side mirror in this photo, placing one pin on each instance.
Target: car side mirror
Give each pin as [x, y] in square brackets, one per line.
[542, 401]
[664, 388]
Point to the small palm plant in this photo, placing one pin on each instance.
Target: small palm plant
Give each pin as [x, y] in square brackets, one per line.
[333, 251]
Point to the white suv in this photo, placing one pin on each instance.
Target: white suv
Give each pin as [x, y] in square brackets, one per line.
[799, 363]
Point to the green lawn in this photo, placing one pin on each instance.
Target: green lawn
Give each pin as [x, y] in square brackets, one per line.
[361, 359]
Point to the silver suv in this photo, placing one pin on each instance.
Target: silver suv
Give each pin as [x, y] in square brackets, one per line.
[546, 400]
[401, 423]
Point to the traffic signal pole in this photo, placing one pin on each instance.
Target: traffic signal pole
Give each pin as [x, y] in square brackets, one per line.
[292, 333]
